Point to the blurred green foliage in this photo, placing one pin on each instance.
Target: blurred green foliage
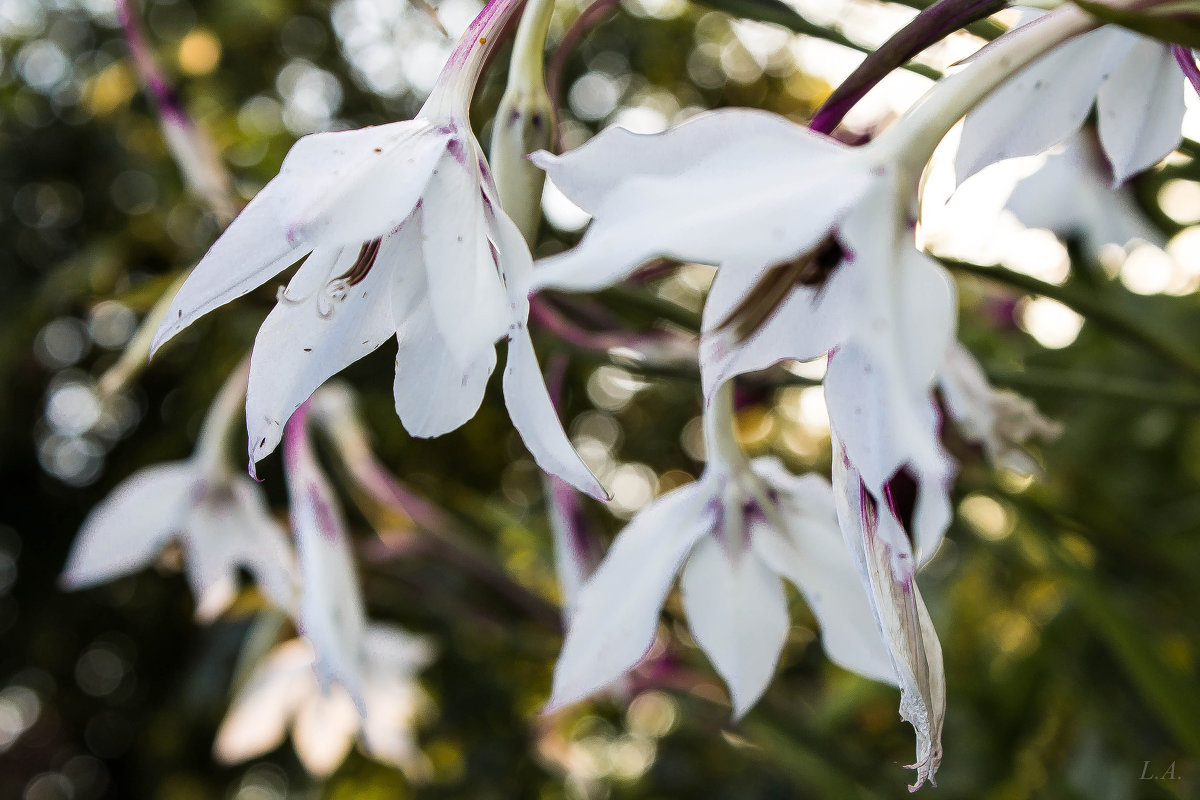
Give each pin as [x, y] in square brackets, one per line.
[1067, 608]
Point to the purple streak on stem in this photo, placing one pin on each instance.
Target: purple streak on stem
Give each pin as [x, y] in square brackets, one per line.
[444, 539]
[543, 314]
[166, 99]
[1187, 63]
[194, 153]
[930, 26]
[589, 18]
[456, 85]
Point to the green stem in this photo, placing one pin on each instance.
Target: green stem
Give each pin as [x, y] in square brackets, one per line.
[1089, 307]
[1106, 386]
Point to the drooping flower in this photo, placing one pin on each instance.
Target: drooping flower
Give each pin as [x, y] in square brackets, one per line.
[284, 693]
[730, 536]
[331, 613]
[816, 256]
[1069, 195]
[346, 676]
[998, 420]
[218, 517]
[1135, 83]
[402, 234]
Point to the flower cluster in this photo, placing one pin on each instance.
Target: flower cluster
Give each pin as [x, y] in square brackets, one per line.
[400, 231]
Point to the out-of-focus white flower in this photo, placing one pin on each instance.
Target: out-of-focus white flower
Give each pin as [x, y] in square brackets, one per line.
[1069, 195]
[735, 533]
[331, 614]
[1134, 81]
[402, 234]
[285, 693]
[1000, 421]
[219, 518]
[346, 677]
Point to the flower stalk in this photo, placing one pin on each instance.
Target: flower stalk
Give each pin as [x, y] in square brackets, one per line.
[524, 122]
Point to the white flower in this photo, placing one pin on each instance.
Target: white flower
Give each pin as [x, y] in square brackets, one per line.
[815, 251]
[1069, 195]
[219, 518]
[331, 614]
[1000, 421]
[402, 234]
[346, 674]
[735, 533]
[816, 256]
[285, 693]
[1134, 81]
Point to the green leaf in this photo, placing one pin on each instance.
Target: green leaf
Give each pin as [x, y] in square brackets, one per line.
[1176, 22]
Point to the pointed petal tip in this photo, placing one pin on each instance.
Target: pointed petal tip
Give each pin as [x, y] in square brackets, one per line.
[543, 158]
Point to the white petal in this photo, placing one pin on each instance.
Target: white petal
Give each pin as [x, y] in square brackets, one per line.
[617, 613]
[257, 721]
[339, 189]
[812, 555]
[307, 339]
[1068, 195]
[515, 261]
[466, 292]
[325, 730]
[126, 531]
[348, 187]
[1041, 105]
[332, 616]
[1140, 109]
[394, 700]
[434, 393]
[573, 560]
[732, 206]
[737, 611]
[884, 429]
[230, 526]
[916, 654]
[534, 417]
[807, 325]
[590, 172]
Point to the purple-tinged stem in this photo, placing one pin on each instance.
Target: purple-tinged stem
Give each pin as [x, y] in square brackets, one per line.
[589, 18]
[929, 27]
[194, 153]
[1187, 63]
[452, 94]
[541, 313]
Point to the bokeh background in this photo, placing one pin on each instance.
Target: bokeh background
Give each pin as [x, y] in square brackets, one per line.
[1067, 605]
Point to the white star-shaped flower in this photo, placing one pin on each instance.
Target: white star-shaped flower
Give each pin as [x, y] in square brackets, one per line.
[402, 234]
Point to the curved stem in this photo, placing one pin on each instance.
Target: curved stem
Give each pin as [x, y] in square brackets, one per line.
[912, 140]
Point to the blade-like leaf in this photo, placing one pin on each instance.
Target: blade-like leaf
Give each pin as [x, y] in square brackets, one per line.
[1173, 23]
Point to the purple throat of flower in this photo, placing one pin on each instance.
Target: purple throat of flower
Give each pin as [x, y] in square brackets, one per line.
[811, 269]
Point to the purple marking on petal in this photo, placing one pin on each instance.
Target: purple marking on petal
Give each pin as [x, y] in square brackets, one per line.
[867, 506]
[455, 148]
[901, 491]
[1187, 63]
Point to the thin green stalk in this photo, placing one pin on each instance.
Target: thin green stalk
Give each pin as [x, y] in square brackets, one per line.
[1107, 386]
[1091, 308]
